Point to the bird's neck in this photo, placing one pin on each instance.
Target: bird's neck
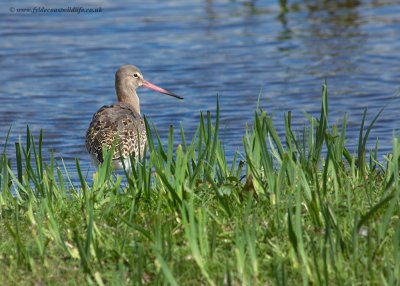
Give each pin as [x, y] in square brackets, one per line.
[127, 94]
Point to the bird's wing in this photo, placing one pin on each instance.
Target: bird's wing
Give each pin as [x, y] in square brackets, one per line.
[116, 124]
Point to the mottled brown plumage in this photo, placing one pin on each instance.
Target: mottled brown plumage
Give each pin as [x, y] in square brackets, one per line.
[121, 123]
[117, 122]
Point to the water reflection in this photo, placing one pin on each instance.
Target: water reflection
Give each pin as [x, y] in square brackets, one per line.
[336, 27]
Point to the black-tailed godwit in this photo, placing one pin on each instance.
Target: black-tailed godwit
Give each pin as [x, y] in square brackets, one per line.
[121, 123]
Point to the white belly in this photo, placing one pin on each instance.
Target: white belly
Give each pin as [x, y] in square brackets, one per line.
[117, 164]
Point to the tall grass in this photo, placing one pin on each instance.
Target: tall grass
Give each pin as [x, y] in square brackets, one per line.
[300, 209]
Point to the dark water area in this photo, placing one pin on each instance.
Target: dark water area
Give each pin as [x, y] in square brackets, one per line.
[57, 69]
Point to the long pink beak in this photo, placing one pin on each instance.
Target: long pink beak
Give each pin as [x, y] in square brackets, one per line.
[159, 89]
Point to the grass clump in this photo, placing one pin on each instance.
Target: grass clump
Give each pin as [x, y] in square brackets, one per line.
[298, 209]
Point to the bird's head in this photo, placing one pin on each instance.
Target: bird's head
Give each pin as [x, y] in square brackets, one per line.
[131, 77]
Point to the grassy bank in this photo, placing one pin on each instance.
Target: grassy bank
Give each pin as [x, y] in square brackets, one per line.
[298, 209]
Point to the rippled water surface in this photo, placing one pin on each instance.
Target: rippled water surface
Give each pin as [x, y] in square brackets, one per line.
[57, 69]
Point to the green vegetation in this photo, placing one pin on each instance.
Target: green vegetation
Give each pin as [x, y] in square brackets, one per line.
[302, 210]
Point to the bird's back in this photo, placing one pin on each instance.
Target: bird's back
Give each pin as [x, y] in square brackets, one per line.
[116, 124]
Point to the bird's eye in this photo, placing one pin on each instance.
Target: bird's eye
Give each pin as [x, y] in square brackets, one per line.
[135, 75]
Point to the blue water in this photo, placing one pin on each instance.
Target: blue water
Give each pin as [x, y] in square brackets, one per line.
[57, 69]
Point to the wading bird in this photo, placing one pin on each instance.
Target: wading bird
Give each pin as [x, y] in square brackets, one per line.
[121, 123]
